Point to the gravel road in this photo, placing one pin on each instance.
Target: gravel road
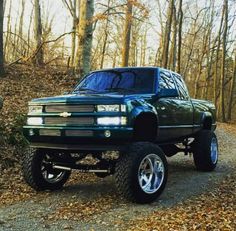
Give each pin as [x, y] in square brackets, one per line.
[91, 203]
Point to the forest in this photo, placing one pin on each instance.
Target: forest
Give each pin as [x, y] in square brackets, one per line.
[47, 46]
[193, 38]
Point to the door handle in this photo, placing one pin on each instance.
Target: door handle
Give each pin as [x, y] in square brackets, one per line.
[163, 108]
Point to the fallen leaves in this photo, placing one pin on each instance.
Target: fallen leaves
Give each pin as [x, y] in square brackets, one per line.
[78, 210]
[215, 210]
[13, 188]
[17, 89]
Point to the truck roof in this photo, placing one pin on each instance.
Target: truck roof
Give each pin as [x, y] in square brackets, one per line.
[125, 68]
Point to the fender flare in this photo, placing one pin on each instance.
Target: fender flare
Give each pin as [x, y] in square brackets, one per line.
[206, 116]
[137, 111]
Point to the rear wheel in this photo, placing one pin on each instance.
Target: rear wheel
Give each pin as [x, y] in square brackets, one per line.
[205, 151]
[38, 171]
[141, 173]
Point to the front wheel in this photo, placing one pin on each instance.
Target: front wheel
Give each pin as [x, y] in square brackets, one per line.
[141, 173]
[205, 151]
[38, 171]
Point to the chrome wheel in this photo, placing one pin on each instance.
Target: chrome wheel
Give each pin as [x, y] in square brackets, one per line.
[214, 150]
[49, 174]
[151, 173]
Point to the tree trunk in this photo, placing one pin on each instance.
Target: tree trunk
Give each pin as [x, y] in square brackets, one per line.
[180, 22]
[29, 32]
[21, 23]
[165, 51]
[210, 53]
[217, 57]
[73, 36]
[126, 35]
[144, 48]
[8, 31]
[38, 33]
[231, 91]
[2, 72]
[114, 58]
[105, 36]
[85, 33]
[172, 59]
[133, 45]
[222, 76]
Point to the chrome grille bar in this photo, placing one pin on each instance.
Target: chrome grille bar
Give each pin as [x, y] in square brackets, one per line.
[69, 121]
[79, 133]
[69, 108]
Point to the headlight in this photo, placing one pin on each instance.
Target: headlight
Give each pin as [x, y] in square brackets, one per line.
[108, 108]
[34, 121]
[112, 120]
[111, 108]
[35, 109]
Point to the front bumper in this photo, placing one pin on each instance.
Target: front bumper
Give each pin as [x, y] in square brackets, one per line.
[77, 138]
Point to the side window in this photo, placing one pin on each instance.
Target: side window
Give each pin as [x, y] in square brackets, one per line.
[166, 81]
[183, 91]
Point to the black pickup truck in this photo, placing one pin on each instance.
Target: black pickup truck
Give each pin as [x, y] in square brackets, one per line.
[128, 120]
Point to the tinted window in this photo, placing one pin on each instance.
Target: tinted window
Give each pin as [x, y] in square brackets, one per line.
[183, 91]
[166, 81]
[138, 80]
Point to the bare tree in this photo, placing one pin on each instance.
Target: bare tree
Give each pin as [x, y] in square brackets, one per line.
[72, 7]
[165, 50]
[8, 34]
[38, 33]
[126, 34]
[29, 31]
[21, 22]
[172, 58]
[106, 35]
[180, 22]
[222, 79]
[217, 58]
[85, 33]
[231, 91]
[1, 40]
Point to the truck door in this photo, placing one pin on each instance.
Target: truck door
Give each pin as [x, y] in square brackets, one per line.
[175, 113]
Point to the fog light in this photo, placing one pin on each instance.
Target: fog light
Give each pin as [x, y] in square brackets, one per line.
[31, 132]
[112, 120]
[107, 133]
[35, 121]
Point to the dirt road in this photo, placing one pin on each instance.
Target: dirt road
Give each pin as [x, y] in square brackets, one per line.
[90, 203]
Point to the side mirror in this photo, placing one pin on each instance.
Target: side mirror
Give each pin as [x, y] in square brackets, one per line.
[166, 93]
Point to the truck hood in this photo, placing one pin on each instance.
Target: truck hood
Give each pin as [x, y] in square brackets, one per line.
[111, 98]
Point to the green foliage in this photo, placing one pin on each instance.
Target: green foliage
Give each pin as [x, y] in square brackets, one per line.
[16, 136]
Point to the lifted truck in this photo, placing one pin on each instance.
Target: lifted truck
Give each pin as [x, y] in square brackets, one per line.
[142, 113]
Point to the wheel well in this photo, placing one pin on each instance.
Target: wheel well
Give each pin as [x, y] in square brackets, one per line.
[145, 127]
[207, 123]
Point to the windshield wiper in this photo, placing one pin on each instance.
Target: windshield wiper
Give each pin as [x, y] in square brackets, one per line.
[120, 89]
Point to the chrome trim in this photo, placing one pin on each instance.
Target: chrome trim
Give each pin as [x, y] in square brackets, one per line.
[180, 126]
[61, 167]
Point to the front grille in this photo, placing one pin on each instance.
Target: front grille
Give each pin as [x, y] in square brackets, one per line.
[69, 108]
[49, 132]
[69, 121]
[79, 133]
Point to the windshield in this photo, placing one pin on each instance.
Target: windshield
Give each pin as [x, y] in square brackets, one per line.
[128, 81]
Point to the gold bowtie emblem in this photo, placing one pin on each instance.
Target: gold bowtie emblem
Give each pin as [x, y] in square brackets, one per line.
[65, 114]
